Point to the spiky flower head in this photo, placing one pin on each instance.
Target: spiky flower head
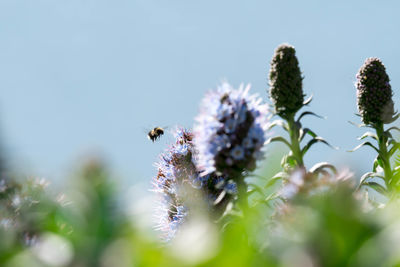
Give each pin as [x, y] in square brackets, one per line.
[178, 181]
[285, 81]
[175, 168]
[374, 93]
[230, 131]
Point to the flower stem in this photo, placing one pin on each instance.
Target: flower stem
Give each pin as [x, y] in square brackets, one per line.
[242, 194]
[384, 155]
[294, 141]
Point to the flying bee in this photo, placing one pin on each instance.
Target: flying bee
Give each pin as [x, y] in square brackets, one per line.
[224, 98]
[155, 134]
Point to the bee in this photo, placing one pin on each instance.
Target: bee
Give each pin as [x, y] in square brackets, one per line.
[224, 98]
[155, 134]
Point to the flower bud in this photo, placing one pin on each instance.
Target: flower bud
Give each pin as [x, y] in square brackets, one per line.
[285, 81]
[374, 93]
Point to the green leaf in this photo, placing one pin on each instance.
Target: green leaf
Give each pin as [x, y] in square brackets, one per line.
[305, 131]
[368, 134]
[360, 125]
[364, 144]
[321, 166]
[281, 123]
[377, 187]
[246, 174]
[393, 128]
[278, 139]
[250, 192]
[308, 100]
[255, 188]
[272, 196]
[397, 160]
[387, 134]
[309, 113]
[227, 214]
[394, 148]
[391, 142]
[377, 163]
[323, 172]
[314, 141]
[370, 175]
[281, 175]
[277, 177]
[396, 171]
[289, 160]
[357, 125]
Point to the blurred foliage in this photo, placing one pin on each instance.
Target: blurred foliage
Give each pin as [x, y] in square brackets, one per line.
[85, 226]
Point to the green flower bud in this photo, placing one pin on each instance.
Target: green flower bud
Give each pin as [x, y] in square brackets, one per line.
[285, 81]
[374, 93]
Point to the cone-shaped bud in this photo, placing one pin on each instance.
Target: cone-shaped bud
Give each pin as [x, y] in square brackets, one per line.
[285, 81]
[374, 93]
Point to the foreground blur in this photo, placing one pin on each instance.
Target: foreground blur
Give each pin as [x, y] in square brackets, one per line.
[84, 226]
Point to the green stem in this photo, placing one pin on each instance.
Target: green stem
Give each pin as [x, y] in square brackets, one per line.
[242, 194]
[294, 141]
[384, 155]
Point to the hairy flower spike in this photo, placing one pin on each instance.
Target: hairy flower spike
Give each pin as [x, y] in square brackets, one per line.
[178, 179]
[374, 93]
[285, 81]
[174, 169]
[230, 131]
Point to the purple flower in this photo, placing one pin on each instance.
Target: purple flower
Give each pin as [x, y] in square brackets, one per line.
[175, 169]
[178, 180]
[230, 131]
[237, 153]
[231, 187]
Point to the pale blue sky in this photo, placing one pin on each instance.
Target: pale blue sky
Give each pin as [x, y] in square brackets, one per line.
[91, 75]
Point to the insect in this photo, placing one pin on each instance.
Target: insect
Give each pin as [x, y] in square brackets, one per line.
[224, 98]
[155, 134]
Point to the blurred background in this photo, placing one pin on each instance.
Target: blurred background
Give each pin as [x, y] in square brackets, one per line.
[83, 81]
[84, 77]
